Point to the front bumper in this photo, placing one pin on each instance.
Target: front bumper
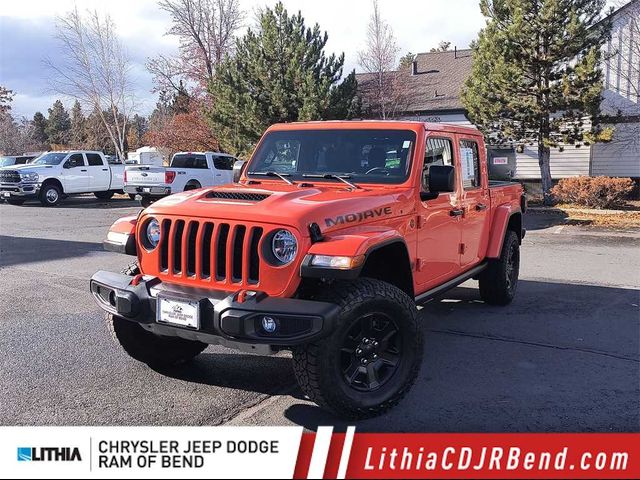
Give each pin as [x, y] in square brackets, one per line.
[19, 190]
[147, 190]
[224, 318]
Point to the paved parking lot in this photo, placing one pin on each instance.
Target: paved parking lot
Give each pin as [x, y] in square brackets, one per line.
[563, 357]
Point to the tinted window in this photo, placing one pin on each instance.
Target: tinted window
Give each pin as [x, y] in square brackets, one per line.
[51, 158]
[75, 160]
[368, 156]
[439, 151]
[470, 161]
[7, 161]
[94, 160]
[223, 163]
[183, 160]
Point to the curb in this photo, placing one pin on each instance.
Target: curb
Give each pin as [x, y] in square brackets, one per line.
[587, 211]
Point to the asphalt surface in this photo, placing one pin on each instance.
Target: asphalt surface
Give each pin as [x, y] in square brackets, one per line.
[563, 357]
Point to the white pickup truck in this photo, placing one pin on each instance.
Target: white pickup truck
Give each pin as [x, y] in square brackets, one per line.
[54, 175]
[188, 171]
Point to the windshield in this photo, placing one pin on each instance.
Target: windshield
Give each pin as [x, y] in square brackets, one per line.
[6, 161]
[363, 156]
[53, 158]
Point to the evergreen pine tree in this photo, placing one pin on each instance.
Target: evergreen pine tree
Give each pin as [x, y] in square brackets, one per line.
[39, 130]
[280, 73]
[78, 132]
[58, 124]
[536, 75]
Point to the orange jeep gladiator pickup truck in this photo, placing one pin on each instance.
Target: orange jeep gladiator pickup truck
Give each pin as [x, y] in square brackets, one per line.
[324, 244]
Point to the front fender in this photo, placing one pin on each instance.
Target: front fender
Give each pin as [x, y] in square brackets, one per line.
[499, 225]
[356, 244]
[121, 237]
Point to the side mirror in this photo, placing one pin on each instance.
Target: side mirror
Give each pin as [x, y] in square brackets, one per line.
[442, 178]
[238, 168]
[68, 164]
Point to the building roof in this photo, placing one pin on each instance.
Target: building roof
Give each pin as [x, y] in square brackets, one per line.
[435, 86]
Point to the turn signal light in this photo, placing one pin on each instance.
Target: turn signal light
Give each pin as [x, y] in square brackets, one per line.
[337, 262]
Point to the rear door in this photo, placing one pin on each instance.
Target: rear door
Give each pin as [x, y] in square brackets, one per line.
[223, 166]
[439, 231]
[475, 201]
[75, 176]
[99, 175]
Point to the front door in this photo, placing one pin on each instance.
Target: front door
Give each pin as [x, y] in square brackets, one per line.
[475, 202]
[75, 178]
[439, 232]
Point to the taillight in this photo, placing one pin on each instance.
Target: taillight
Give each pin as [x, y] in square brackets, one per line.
[169, 176]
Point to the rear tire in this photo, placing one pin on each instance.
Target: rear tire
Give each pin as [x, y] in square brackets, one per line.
[104, 195]
[15, 202]
[372, 358]
[50, 195]
[192, 186]
[155, 350]
[145, 201]
[132, 196]
[499, 281]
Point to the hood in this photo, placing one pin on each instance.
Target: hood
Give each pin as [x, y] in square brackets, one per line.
[332, 207]
[28, 168]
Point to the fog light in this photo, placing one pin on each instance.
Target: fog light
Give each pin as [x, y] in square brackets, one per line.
[269, 324]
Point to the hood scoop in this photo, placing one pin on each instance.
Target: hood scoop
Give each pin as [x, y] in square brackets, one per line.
[244, 196]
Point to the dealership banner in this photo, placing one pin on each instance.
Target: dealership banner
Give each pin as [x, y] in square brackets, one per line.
[289, 452]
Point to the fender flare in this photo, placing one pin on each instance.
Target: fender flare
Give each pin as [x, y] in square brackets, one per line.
[121, 237]
[501, 219]
[349, 245]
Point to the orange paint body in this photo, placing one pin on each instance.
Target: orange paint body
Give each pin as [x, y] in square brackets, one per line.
[221, 243]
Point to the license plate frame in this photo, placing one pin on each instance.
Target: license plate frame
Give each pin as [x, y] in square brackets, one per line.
[186, 312]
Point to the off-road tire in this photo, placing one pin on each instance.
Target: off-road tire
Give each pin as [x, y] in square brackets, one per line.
[104, 195]
[17, 203]
[50, 195]
[317, 365]
[499, 281]
[154, 350]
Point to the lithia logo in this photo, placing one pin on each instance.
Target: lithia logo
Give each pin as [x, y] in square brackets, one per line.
[49, 454]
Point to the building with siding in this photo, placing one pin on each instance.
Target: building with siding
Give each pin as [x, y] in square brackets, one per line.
[429, 90]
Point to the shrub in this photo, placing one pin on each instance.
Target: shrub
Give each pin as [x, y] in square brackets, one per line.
[595, 192]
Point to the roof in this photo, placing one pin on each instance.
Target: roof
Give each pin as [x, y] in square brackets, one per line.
[435, 86]
[373, 124]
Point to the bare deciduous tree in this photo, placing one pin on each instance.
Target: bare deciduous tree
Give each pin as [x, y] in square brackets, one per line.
[94, 69]
[206, 30]
[379, 58]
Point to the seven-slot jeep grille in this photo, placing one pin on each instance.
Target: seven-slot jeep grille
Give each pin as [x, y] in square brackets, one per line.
[9, 176]
[215, 251]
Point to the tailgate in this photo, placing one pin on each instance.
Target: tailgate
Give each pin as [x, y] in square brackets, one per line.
[142, 175]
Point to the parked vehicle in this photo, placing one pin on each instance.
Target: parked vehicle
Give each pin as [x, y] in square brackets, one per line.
[145, 156]
[333, 233]
[187, 171]
[10, 160]
[54, 175]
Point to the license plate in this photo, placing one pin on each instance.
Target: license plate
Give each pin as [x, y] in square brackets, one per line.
[6, 194]
[183, 313]
[146, 190]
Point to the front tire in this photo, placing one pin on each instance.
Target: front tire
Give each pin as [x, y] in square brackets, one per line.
[499, 281]
[155, 350]
[50, 195]
[372, 358]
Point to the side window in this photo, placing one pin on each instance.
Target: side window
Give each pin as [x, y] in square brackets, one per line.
[75, 160]
[439, 151]
[223, 163]
[94, 160]
[470, 160]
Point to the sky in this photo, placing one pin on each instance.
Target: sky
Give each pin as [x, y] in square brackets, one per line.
[27, 30]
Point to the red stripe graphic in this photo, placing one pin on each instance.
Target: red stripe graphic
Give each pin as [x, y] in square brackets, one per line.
[480, 456]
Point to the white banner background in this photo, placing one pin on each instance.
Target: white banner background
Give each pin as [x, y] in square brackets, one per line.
[221, 464]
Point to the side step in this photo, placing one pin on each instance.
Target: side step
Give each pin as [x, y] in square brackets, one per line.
[454, 282]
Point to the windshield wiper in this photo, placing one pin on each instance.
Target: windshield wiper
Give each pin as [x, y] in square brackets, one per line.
[333, 176]
[281, 176]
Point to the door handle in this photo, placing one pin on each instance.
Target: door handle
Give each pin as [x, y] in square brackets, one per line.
[105, 169]
[83, 170]
[480, 207]
[457, 212]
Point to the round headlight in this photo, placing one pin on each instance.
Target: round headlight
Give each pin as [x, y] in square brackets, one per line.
[153, 232]
[285, 246]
